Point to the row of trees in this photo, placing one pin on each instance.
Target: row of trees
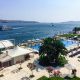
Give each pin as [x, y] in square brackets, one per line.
[52, 52]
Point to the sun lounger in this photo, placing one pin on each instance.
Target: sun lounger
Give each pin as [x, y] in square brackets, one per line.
[74, 54]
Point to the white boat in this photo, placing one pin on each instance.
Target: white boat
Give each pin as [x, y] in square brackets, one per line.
[4, 28]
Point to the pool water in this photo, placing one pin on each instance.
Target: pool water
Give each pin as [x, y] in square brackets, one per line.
[67, 43]
[36, 46]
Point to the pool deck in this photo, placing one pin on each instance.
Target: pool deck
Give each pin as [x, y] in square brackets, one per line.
[10, 74]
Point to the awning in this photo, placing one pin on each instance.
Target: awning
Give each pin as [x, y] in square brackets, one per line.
[5, 44]
[18, 51]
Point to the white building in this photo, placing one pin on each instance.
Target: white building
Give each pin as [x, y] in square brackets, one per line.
[5, 44]
[14, 55]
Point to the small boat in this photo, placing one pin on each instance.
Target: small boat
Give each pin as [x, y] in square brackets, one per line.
[4, 28]
[52, 25]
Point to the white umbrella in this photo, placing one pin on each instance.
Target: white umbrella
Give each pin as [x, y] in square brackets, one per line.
[69, 66]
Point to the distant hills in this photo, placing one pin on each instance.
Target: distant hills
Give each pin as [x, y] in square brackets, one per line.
[71, 22]
[21, 21]
[18, 21]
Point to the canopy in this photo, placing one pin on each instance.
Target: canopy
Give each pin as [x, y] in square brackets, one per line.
[5, 43]
[11, 53]
[17, 51]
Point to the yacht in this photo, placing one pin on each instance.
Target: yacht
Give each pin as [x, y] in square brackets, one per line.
[4, 28]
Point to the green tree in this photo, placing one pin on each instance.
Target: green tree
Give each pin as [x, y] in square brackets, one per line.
[76, 29]
[51, 50]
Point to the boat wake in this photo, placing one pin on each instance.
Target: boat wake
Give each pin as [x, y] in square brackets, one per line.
[18, 28]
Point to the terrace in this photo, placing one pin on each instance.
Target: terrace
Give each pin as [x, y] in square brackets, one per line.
[21, 70]
[12, 72]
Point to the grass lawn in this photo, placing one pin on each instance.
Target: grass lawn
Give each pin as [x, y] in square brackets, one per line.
[69, 35]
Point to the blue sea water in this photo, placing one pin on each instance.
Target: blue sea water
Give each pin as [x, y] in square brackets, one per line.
[24, 31]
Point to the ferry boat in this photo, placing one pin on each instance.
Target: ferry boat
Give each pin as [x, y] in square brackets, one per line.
[4, 28]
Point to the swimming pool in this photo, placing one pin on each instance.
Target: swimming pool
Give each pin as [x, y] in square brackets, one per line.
[36, 46]
[67, 43]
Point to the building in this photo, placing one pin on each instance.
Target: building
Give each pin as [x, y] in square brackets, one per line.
[11, 56]
[6, 44]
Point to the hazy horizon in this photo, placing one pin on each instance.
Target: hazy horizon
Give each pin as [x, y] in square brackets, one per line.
[40, 10]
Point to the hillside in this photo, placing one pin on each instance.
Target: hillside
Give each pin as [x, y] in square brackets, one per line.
[18, 21]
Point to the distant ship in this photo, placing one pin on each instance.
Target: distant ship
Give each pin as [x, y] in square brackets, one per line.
[4, 28]
[52, 24]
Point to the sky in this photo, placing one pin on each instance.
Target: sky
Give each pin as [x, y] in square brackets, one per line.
[40, 10]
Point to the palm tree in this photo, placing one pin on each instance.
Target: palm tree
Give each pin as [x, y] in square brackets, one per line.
[52, 49]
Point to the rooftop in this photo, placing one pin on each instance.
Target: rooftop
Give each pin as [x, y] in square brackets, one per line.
[11, 53]
[5, 44]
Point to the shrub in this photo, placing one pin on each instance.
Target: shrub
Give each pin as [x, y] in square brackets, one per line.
[43, 78]
[56, 78]
[52, 78]
[75, 78]
[62, 61]
[44, 61]
[67, 77]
